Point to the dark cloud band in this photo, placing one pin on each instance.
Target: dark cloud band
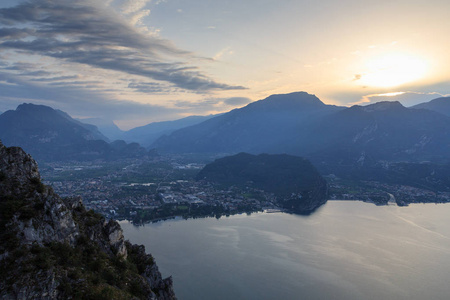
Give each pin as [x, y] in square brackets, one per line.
[87, 33]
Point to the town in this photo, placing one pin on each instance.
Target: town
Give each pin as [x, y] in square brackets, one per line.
[161, 187]
[381, 193]
[151, 189]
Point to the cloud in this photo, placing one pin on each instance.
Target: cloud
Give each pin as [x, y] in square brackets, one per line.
[237, 101]
[357, 77]
[80, 102]
[375, 98]
[408, 98]
[208, 105]
[64, 93]
[6, 82]
[135, 11]
[204, 105]
[133, 6]
[137, 17]
[85, 84]
[21, 66]
[152, 87]
[53, 79]
[90, 33]
[220, 54]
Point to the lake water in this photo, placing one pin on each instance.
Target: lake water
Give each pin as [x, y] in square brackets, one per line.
[346, 250]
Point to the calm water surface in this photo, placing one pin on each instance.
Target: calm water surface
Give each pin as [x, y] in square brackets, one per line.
[346, 250]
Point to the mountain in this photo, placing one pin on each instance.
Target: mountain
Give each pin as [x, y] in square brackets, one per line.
[440, 105]
[106, 127]
[96, 134]
[262, 126]
[381, 131]
[146, 135]
[122, 149]
[143, 135]
[300, 124]
[355, 142]
[294, 180]
[52, 248]
[51, 135]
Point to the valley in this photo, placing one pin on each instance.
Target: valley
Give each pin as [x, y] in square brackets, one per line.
[148, 190]
[165, 187]
[363, 153]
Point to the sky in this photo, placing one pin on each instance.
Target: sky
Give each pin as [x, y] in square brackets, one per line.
[142, 61]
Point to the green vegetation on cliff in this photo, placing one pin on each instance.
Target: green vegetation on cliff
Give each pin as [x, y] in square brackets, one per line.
[53, 248]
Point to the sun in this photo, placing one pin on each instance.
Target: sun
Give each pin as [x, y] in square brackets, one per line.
[393, 70]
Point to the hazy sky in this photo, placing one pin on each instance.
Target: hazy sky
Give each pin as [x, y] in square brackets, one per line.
[139, 61]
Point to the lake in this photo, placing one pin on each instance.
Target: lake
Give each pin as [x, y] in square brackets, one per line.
[346, 250]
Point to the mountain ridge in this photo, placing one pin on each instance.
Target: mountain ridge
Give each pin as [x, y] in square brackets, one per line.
[383, 106]
[106, 127]
[333, 138]
[50, 135]
[250, 128]
[440, 105]
[147, 134]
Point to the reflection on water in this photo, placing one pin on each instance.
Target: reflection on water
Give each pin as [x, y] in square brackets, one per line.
[346, 250]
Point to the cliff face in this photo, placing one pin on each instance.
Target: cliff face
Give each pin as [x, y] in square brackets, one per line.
[52, 248]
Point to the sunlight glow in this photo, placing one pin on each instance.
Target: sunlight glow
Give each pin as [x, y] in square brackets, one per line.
[391, 94]
[393, 70]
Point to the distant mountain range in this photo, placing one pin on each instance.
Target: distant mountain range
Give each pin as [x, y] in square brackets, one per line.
[381, 131]
[106, 127]
[146, 135]
[440, 105]
[300, 124]
[335, 139]
[332, 137]
[262, 126]
[96, 134]
[51, 135]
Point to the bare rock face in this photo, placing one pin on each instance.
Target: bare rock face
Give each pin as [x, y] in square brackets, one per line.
[116, 238]
[56, 224]
[162, 288]
[18, 169]
[44, 217]
[52, 248]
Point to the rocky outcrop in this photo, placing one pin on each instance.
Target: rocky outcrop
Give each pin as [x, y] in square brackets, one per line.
[43, 216]
[161, 287]
[52, 248]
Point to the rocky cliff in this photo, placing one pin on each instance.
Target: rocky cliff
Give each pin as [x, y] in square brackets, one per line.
[52, 248]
